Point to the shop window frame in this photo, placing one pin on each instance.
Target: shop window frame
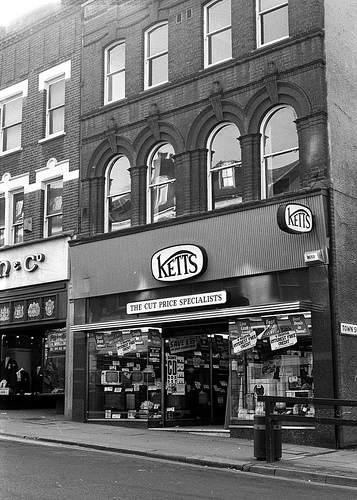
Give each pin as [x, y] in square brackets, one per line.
[257, 368]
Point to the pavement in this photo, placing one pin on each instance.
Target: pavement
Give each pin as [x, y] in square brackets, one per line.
[210, 447]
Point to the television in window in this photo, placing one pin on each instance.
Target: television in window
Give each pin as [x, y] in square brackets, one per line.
[110, 377]
[137, 377]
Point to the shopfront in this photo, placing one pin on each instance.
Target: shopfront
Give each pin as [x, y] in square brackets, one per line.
[33, 312]
[191, 332]
[201, 372]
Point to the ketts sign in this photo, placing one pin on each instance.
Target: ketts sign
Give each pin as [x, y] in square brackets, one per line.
[294, 218]
[179, 262]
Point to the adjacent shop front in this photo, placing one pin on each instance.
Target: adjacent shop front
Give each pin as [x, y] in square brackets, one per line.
[201, 319]
[33, 312]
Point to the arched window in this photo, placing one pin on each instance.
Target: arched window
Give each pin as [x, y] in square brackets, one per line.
[118, 195]
[280, 153]
[161, 184]
[225, 178]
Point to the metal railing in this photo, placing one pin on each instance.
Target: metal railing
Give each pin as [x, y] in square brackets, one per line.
[271, 416]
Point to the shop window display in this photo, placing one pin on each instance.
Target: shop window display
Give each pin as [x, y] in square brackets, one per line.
[125, 375]
[270, 356]
[33, 364]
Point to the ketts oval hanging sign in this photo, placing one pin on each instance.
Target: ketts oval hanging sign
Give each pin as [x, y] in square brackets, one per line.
[295, 218]
[179, 262]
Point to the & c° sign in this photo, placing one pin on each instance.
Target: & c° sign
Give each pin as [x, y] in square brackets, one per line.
[29, 264]
[295, 218]
[178, 263]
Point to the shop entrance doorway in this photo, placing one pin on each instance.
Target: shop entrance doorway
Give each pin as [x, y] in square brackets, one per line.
[196, 373]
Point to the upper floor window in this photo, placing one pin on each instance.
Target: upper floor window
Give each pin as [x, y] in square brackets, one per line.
[11, 100]
[225, 178]
[218, 32]
[115, 73]
[280, 153]
[12, 191]
[17, 225]
[11, 217]
[11, 120]
[161, 184]
[118, 195]
[53, 81]
[156, 55]
[53, 207]
[55, 106]
[272, 21]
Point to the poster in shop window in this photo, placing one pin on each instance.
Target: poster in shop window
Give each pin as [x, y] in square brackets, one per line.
[175, 375]
[282, 340]
[271, 326]
[298, 324]
[247, 337]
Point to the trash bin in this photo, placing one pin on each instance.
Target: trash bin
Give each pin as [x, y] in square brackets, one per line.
[259, 439]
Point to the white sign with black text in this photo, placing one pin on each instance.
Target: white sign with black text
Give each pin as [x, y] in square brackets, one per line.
[183, 302]
[179, 262]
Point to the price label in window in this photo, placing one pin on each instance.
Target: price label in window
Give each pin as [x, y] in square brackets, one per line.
[281, 340]
[245, 342]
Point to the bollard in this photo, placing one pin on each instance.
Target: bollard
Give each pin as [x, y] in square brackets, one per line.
[260, 451]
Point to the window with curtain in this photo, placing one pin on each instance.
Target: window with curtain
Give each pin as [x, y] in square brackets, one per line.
[280, 153]
[161, 184]
[225, 178]
[118, 198]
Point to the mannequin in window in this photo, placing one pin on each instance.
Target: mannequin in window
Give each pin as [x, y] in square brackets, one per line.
[8, 369]
[23, 381]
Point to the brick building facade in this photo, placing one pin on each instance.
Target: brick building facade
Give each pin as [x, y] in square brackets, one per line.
[213, 251]
[39, 172]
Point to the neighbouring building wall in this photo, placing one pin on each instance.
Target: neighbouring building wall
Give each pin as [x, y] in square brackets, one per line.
[341, 71]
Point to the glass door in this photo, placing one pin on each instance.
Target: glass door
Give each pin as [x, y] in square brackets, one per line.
[196, 372]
